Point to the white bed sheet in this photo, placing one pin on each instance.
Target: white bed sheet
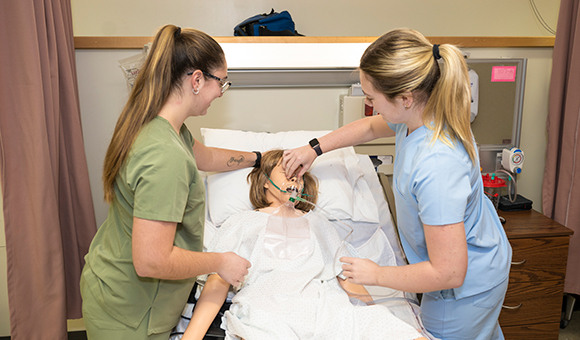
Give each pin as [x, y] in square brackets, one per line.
[401, 304]
[382, 245]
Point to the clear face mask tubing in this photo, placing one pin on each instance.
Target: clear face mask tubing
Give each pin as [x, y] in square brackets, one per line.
[288, 210]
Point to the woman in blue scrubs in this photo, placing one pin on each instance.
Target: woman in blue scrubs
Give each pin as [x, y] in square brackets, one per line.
[459, 255]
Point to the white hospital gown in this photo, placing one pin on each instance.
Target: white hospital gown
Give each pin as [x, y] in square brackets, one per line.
[297, 298]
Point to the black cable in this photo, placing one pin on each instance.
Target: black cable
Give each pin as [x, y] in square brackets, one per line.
[540, 18]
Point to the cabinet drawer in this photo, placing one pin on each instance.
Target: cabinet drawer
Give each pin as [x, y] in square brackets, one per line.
[538, 259]
[541, 302]
[532, 332]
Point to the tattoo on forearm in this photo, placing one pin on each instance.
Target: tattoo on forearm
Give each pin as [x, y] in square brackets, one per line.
[235, 161]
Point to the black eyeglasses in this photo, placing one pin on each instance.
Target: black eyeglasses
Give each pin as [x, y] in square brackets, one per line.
[225, 85]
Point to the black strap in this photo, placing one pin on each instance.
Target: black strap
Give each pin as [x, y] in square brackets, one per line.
[264, 31]
[258, 159]
[316, 146]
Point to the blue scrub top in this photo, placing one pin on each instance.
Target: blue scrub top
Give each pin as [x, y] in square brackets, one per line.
[437, 184]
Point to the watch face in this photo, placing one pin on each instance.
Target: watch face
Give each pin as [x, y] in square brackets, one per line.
[316, 146]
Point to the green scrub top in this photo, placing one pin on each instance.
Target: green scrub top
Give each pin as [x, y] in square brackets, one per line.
[158, 181]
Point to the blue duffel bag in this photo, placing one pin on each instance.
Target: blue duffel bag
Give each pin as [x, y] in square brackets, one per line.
[272, 24]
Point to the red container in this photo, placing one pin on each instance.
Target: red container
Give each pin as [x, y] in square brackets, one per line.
[492, 186]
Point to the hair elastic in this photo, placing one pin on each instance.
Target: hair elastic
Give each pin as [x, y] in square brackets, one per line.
[436, 52]
[177, 32]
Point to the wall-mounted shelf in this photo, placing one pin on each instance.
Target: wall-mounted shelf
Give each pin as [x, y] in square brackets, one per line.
[116, 42]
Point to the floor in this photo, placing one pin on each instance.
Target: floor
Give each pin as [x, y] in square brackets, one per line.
[572, 331]
[79, 335]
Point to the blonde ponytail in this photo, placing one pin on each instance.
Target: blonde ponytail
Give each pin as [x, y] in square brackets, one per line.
[449, 104]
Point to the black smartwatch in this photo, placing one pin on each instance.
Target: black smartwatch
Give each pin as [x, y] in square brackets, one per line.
[316, 146]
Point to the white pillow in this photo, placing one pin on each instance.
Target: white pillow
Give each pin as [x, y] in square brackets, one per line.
[342, 192]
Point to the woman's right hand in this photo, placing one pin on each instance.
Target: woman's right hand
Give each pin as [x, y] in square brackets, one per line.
[234, 268]
[299, 159]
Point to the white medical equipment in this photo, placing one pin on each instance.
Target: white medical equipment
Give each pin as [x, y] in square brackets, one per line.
[474, 82]
[349, 190]
[512, 160]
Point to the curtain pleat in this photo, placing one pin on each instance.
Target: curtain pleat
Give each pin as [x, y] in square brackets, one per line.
[561, 186]
[48, 209]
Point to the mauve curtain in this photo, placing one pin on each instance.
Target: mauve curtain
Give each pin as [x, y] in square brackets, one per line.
[48, 209]
[561, 187]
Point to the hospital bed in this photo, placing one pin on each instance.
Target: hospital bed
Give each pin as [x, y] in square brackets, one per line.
[351, 192]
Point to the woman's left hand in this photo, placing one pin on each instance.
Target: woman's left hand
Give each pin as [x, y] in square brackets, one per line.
[298, 161]
[360, 271]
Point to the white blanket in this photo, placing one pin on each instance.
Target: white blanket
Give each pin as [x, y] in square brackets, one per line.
[298, 298]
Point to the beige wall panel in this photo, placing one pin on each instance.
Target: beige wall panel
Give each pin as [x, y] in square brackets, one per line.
[2, 234]
[317, 18]
[4, 319]
[272, 110]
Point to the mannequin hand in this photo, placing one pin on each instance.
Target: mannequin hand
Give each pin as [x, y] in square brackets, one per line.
[299, 159]
[360, 271]
[234, 268]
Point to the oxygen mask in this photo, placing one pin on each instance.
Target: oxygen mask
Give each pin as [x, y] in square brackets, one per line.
[293, 186]
[290, 191]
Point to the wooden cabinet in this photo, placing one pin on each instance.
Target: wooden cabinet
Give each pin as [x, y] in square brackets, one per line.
[532, 306]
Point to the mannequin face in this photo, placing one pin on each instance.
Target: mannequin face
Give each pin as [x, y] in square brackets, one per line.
[278, 176]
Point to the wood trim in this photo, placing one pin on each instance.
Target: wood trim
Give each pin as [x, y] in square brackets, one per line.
[113, 42]
[530, 223]
[495, 41]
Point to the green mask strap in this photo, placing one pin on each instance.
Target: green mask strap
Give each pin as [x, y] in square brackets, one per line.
[284, 191]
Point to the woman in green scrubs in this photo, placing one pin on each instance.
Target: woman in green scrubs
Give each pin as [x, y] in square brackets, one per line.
[143, 260]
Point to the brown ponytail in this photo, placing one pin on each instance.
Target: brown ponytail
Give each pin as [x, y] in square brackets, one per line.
[174, 52]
